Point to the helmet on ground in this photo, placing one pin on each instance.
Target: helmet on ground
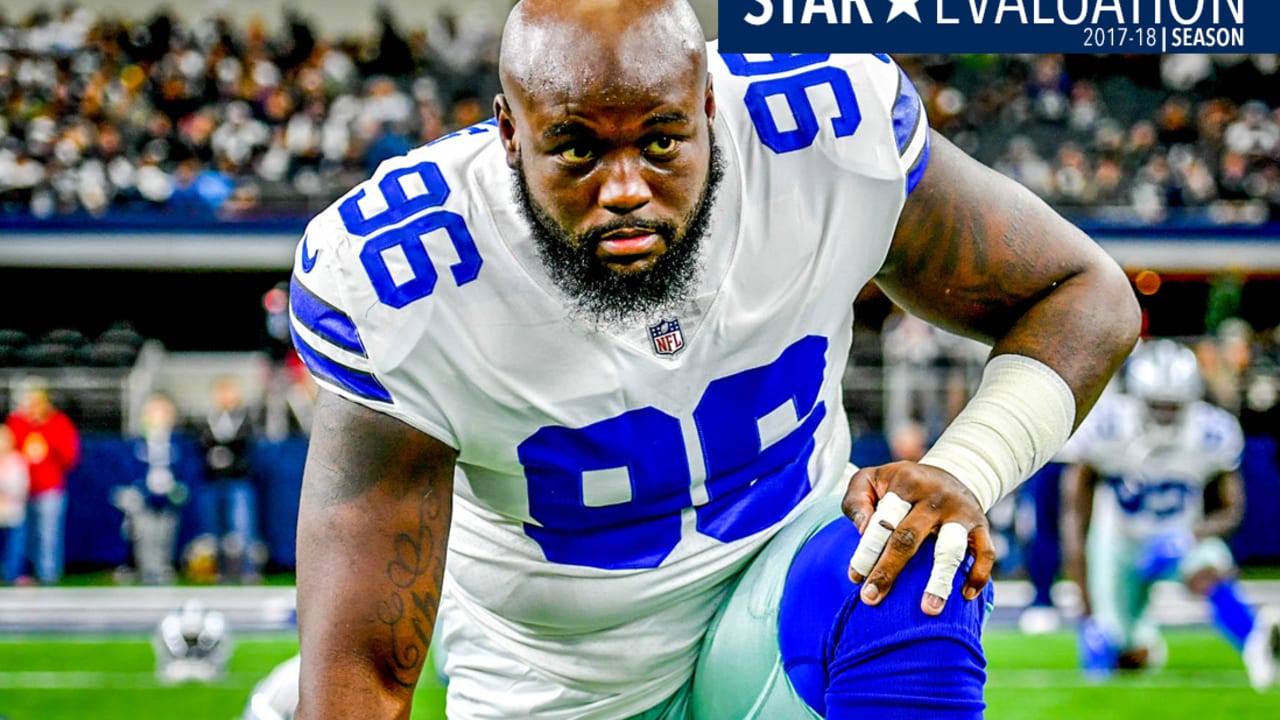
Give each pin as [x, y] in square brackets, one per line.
[192, 643]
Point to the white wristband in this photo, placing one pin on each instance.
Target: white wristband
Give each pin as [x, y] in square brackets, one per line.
[1022, 413]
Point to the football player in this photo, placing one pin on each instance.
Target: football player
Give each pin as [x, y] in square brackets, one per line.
[1155, 493]
[621, 311]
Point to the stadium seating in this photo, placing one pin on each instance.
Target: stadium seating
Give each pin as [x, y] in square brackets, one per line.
[1139, 138]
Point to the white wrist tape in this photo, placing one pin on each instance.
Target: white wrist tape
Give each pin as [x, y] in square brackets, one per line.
[1022, 414]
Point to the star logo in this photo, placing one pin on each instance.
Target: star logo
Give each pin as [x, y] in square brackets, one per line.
[904, 7]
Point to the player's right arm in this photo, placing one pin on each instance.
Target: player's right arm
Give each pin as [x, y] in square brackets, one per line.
[1227, 494]
[1078, 481]
[373, 523]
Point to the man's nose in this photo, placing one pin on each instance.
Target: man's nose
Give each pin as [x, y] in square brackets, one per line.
[624, 189]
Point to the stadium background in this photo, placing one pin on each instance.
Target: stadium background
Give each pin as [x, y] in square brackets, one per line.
[155, 176]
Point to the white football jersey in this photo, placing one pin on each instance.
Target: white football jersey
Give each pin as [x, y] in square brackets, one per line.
[613, 483]
[1153, 477]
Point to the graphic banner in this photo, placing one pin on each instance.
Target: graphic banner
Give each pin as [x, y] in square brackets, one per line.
[1000, 26]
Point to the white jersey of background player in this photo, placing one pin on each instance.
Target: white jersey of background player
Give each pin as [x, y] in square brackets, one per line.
[1155, 470]
[1149, 457]
[451, 323]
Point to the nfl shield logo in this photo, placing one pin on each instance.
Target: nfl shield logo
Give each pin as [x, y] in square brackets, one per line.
[667, 338]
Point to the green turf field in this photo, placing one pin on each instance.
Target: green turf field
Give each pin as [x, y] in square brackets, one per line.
[109, 678]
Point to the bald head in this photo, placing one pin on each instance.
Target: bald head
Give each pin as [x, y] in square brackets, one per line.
[607, 120]
[555, 49]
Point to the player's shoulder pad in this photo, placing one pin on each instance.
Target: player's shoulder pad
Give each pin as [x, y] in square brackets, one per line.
[317, 258]
[435, 176]
[1114, 421]
[1217, 433]
[426, 177]
[322, 323]
[860, 111]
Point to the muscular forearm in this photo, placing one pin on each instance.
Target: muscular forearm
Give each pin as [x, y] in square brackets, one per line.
[369, 574]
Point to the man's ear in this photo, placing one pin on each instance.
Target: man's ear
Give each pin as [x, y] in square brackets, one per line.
[710, 102]
[506, 128]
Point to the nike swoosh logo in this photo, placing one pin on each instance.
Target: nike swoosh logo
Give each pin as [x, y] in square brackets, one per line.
[308, 260]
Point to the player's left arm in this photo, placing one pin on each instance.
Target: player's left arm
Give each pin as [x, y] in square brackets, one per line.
[978, 254]
[1227, 491]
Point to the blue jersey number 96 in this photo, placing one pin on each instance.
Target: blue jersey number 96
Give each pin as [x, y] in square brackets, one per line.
[794, 89]
[640, 457]
[414, 196]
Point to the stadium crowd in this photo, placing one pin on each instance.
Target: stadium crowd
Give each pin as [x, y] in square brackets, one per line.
[104, 114]
[1121, 139]
[107, 114]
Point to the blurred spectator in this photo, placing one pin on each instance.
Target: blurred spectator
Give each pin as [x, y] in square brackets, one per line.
[51, 444]
[14, 483]
[101, 115]
[928, 373]
[908, 441]
[226, 438]
[161, 470]
[1254, 134]
[1224, 361]
[393, 55]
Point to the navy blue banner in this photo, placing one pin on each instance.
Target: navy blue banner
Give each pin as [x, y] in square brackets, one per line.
[1000, 26]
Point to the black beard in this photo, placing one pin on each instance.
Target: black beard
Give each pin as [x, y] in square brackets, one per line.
[609, 300]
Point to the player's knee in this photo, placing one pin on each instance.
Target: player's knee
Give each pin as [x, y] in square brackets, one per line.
[890, 656]
[894, 658]
[817, 586]
[1208, 563]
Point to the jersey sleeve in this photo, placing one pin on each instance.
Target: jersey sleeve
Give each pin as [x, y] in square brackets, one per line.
[896, 98]
[1221, 439]
[340, 351]
[1106, 427]
[892, 137]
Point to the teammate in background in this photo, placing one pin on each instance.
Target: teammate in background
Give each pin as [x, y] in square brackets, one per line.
[621, 311]
[1154, 493]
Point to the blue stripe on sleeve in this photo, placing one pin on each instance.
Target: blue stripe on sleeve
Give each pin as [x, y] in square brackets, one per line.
[353, 381]
[916, 173]
[324, 319]
[908, 112]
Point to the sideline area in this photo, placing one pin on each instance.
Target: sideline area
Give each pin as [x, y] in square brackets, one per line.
[268, 608]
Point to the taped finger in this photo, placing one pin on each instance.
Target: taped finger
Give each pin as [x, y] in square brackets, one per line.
[889, 513]
[953, 541]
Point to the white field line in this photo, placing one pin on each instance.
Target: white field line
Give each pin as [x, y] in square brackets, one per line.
[83, 680]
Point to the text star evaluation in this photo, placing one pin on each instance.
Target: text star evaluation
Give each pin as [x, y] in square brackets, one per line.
[1021, 12]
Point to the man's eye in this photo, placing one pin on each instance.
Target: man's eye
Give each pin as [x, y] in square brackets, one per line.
[577, 154]
[664, 145]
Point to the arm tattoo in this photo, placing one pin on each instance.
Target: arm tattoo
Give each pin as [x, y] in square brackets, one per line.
[409, 613]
